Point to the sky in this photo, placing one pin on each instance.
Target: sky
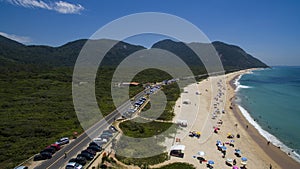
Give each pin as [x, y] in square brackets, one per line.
[268, 30]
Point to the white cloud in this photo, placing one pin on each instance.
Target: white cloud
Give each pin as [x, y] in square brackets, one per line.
[21, 39]
[58, 6]
[65, 7]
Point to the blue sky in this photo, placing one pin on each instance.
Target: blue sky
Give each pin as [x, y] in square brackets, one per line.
[268, 30]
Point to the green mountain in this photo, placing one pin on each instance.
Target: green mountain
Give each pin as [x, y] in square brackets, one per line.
[232, 57]
[12, 52]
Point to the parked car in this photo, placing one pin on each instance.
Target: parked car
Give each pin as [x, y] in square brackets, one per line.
[73, 165]
[39, 157]
[89, 151]
[42, 156]
[62, 141]
[107, 131]
[108, 134]
[49, 149]
[102, 142]
[103, 135]
[21, 167]
[56, 146]
[113, 129]
[88, 156]
[79, 160]
[95, 148]
[95, 144]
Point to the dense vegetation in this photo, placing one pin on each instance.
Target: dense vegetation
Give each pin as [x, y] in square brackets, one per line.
[144, 162]
[143, 130]
[178, 166]
[36, 104]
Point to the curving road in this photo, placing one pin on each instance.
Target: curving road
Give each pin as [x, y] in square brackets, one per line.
[73, 148]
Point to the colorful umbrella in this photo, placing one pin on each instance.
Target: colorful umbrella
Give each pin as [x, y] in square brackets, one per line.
[211, 162]
[238, 151]
[224, 148]
[235, 167]
[244, 159]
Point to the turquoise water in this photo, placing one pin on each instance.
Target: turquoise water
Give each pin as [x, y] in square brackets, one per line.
[272, 99]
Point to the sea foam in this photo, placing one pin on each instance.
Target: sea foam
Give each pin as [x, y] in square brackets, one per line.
[238, 85]
[268, 136]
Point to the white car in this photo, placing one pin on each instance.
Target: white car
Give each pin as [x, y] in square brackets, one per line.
[62, 141]
[21, 167]
[73, 165]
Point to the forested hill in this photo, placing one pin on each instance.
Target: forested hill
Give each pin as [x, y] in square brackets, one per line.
[13, 53]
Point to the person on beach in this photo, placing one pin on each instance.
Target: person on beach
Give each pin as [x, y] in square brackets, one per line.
[234, 162]
[268, 142]
[270, 166]
[65, 154]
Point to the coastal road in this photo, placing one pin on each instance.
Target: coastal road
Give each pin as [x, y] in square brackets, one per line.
[75, 147]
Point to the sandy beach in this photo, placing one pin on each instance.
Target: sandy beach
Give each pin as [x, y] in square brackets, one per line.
[213, 100]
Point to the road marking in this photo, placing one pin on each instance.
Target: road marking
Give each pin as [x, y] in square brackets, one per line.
[79, 142]
[112, 116]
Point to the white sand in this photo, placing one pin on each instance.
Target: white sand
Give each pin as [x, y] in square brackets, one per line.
[206, 105]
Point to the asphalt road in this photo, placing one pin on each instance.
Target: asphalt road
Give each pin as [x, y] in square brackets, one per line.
[73, 148]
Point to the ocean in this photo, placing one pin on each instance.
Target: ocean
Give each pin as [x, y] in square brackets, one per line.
[270, 100]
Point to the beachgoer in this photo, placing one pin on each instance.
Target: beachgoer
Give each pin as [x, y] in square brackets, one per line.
[236, 125]
[268, 142]
[234, 162]
[65, 155]
[270, 166]
[247, 126]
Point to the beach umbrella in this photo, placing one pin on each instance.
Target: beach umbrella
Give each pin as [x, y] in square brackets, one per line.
[244, 159]
[238, 151]
[211, 162]
[224, 148]
[235, 167]
[201, 153]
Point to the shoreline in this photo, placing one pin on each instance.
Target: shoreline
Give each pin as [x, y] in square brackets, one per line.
[276, 154]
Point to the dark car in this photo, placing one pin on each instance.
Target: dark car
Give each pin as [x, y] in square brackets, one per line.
[113, 129]
[95, 148]
[89, 151]
[95, 144]
[107, 131]
[42, 156]
[106, 135]
[46, 154]
[38, 157]
[88, 156]
[79, 160]
[49, 149]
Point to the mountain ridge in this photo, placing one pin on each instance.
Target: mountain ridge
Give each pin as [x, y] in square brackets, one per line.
[12, 52]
